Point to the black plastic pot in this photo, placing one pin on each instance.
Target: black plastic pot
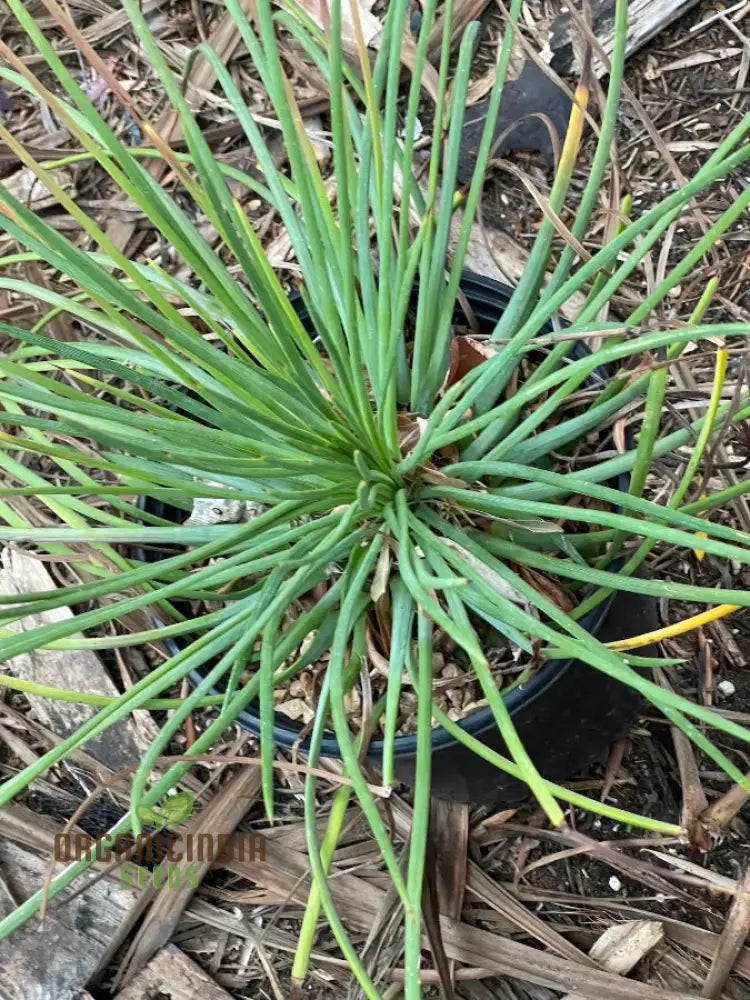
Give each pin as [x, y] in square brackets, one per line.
[567, 714]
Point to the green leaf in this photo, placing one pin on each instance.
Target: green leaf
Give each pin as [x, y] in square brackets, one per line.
[174, 809]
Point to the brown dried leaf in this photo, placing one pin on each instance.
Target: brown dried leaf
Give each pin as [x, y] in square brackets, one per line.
[296, 709]
[371, 26]
[488, 824]
[430, 80]
[614, 762]
[618, 436]
[481, 86]
[464, 11]
[378, 662]
[546, 588]
[409, 431]
[489, 576]
[466, 354]
[430, 474]
[694, 802]
[380, 577]
[445, 879]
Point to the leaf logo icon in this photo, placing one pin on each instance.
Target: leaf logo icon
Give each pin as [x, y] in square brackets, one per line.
[174, 809]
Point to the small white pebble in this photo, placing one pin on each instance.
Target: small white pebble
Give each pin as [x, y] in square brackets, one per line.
[615, 884]
[660, 897]
[726, 689]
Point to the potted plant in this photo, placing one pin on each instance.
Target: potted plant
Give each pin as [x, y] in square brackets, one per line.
[403, 492]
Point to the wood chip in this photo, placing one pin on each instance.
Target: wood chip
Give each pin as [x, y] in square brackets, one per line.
[732, 939]
[26, 187]
[172, 974]
[646, 18]
[57, 959]
[700, 59]
[622, 946]
[207, 511]
[721, 813]
[78, 670]
[321, 146]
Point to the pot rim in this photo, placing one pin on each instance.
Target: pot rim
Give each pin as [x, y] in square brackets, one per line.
[286, 733]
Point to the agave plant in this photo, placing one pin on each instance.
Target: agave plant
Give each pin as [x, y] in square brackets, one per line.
[173, 383]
